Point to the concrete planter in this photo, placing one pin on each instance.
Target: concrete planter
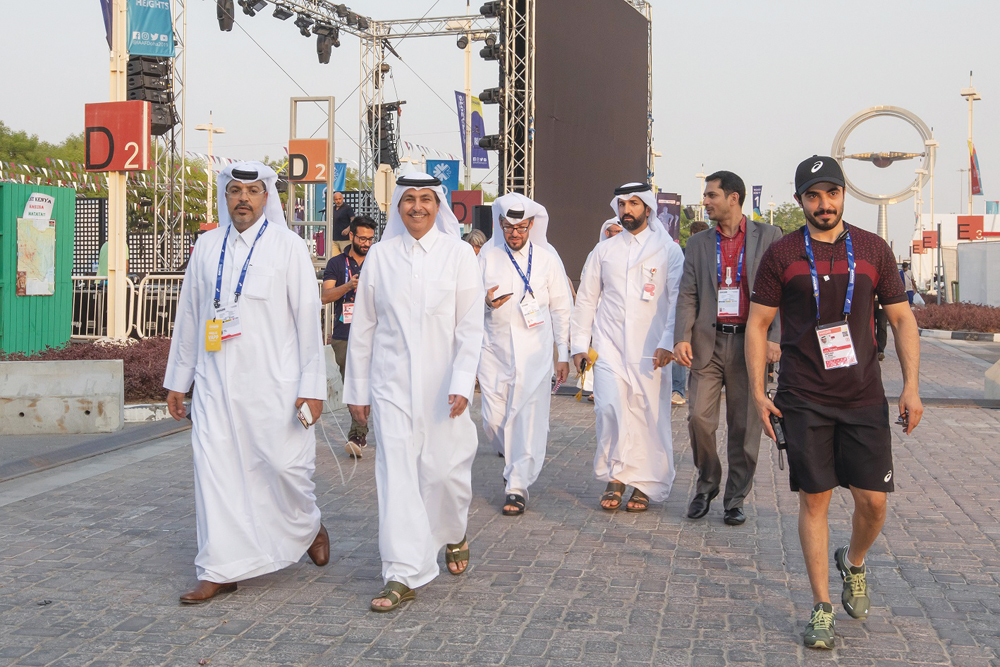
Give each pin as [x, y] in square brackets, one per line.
[52, 397]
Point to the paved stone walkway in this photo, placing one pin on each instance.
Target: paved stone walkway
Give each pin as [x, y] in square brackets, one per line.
[91, 566]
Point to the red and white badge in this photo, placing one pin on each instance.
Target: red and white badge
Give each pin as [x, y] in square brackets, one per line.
[836, 346]
[649, 289]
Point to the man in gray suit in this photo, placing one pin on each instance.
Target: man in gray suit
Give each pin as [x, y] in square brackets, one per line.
[712, 308]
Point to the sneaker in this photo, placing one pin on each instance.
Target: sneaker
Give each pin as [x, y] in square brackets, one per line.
[881, 356]
[355, 445]
[819, 630]
[677, 399]
[855, 595]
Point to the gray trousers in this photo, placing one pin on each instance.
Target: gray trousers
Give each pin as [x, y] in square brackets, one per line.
[727, 368]
[340, 354]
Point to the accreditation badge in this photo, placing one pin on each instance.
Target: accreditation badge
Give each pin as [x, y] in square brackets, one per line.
[230, 316]
[532, 311]
[836, 346]
[729, 302]
[213, 335]
[347, 314]
[648, 289]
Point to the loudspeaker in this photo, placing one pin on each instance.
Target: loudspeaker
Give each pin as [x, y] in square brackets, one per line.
[483, 220]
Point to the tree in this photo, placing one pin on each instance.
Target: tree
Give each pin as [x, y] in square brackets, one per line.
[788, 217]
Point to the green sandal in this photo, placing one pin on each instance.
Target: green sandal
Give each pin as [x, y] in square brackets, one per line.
[393, 590]
[452, 554]
[613, 492]
[638, 498]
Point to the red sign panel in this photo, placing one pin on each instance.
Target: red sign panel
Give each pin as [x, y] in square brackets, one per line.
[117, 136]
[970, 227]
[930, 240]
[464, 203]
[918, 247]
[308, 160]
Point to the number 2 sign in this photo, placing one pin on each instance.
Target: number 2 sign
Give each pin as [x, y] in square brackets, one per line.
[117, 136]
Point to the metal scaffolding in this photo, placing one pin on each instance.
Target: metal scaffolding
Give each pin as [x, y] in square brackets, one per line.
[170, 163]
[517, 104]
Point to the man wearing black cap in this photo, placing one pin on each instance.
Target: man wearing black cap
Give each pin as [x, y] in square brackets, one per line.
[824, 278]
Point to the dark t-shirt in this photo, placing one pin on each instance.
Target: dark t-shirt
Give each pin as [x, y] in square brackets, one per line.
[341, 268]
[783, 281]
[342, 221]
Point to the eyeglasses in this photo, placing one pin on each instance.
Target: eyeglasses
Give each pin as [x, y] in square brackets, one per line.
[253, 191]
[364, 240]
[520, 229]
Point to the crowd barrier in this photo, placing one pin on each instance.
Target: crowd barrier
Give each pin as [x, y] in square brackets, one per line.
[150, 310]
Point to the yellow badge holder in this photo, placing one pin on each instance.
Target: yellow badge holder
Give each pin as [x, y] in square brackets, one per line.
[213, 335]
[587, 364]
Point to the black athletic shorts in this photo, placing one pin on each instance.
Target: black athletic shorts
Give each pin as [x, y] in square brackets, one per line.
[832, 446]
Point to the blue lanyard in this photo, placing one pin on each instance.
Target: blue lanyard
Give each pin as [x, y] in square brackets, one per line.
[347, 274]
[815, 276]
[246, 264]
[525, 278]
[718, 257]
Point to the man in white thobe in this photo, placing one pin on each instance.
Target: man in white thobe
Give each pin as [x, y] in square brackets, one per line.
[528, 306]
[411, 367]
[248, 336]
[626, 305]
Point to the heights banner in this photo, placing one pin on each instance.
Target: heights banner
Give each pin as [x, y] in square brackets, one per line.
[480, 158]
[150, 28]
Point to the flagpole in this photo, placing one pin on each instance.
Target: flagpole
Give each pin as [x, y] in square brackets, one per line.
[971, 95]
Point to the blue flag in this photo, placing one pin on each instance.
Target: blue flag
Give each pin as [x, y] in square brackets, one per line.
[993, 208]
[757, 190]
[480, 158]
[447, 172]
[150, 28]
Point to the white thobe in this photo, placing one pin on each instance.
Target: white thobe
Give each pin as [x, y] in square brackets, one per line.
[415, 340]
[253, 461]
[631, 399]
[516, 364]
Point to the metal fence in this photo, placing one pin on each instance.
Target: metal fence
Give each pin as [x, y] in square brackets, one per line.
[90, 306]
[150, 311]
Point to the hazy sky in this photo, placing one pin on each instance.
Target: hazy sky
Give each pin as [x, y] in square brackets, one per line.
[753, 87]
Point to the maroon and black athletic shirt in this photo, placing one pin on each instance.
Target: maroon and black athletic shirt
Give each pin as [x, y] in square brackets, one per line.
[783, 281]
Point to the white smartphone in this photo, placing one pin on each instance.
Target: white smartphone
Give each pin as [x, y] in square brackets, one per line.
[305, 415]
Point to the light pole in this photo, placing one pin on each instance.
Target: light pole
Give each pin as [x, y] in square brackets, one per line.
[918, 203]
[701, 175]
[212, 130]
[771, 205]
[972, 96]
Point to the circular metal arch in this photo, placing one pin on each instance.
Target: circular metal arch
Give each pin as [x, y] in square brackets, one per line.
[875, 112]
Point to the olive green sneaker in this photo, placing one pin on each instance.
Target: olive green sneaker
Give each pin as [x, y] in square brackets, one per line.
[819, 630]
[855, 595]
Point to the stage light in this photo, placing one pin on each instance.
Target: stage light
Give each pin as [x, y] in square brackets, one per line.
[491, 142]
[324, 29]
[335, 38]
[251, 7]
[491, 9]
[224, 11]
[491, 39]
[352, 19]
[490, 96]
[282, 14]
[362, 23]
[342, 11]
[324, 46]
[490, 52]
[302, 22]
[463, 41]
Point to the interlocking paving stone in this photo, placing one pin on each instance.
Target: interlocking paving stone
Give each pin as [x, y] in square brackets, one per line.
[565, 584]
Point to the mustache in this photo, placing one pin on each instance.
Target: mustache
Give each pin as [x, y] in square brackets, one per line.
[829, 211]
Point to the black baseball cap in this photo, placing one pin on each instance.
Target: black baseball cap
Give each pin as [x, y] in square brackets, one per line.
[817, 169]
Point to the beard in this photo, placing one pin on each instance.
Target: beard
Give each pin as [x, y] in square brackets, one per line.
[360, 249]
[631, 224]
[814, 220]
[517, 244]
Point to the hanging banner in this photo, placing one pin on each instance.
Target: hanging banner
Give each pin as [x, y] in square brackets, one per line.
[447, 172]
[106, 12]
[150, 28]
[992, 207]
[757, 190]
[977, 179]
[668, 212]
[480, 157]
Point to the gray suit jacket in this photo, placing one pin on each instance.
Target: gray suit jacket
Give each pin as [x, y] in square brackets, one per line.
[697, 302]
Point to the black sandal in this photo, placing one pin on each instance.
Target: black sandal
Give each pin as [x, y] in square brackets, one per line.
[515, 500]
[614, 492]
[640, 499]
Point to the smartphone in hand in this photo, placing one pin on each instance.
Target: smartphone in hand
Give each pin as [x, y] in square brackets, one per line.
[305, 415]
[502, 296]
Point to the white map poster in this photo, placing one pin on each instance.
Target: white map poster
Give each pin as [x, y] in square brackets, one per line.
[36, 257]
